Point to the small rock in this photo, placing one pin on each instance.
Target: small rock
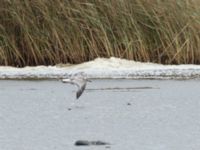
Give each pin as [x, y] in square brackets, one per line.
[128, 104]
[99, 143]
[69, 109]
[88, 143]
[82, 143]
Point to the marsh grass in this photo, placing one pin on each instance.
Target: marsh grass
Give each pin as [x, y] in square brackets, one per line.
[47, 32]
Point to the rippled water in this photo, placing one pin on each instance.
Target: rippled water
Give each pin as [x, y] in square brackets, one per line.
[129, 114]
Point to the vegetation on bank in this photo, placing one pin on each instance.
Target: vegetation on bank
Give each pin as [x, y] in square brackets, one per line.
[47, 32]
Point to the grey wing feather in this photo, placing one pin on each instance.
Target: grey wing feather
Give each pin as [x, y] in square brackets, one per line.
[80, 90]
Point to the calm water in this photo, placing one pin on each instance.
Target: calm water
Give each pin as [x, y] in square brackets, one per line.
[135, 115]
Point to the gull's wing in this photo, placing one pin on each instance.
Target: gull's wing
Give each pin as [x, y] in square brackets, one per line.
[80, 90]
[79, 82]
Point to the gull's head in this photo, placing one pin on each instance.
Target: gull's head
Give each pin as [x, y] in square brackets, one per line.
[66, 80]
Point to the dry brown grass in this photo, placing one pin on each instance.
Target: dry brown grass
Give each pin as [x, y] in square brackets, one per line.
[47, 32]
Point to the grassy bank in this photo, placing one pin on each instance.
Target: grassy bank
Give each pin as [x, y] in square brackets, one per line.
[64, 31]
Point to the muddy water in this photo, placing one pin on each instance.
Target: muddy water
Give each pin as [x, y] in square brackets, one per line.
[128, 114]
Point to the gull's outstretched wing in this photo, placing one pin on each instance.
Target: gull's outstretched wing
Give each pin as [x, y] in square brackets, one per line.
[81, 88]
[79, 82]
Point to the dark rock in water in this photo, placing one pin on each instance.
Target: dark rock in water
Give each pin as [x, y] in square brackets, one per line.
[88, 143]
[82, 143]
[99, 143]
[128, 104]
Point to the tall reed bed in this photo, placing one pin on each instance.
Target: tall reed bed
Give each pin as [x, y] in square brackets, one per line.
[47, 32]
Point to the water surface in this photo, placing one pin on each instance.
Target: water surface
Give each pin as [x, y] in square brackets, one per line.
[129, 114]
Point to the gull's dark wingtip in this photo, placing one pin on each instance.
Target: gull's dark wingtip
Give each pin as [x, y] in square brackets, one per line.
[80, 91]
[78, 94]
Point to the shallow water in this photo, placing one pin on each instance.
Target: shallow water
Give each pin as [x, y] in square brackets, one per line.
[128, 114]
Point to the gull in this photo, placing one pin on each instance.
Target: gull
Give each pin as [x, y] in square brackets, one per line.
[79, 81]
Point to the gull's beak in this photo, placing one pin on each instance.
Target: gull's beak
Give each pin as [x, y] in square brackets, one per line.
[88, 80]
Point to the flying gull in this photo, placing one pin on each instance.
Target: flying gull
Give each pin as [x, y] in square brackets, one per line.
[79, 80]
